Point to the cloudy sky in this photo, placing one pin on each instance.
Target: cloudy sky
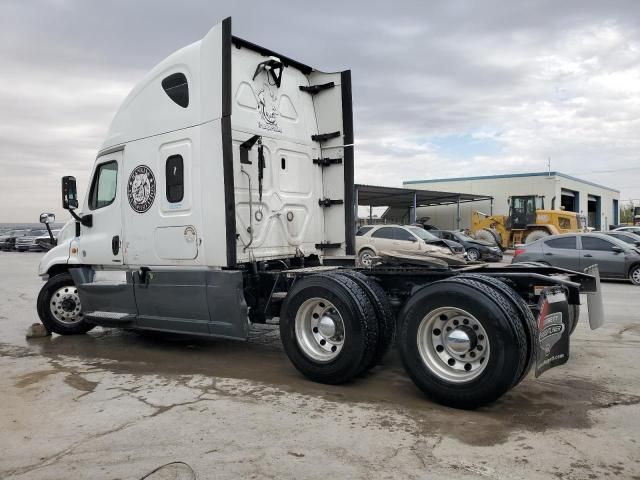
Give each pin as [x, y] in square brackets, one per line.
[449, 88]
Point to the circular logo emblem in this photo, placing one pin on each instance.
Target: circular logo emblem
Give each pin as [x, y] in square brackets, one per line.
[141, 188]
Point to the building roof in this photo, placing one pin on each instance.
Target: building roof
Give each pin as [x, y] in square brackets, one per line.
[510, 175]
[379, 196]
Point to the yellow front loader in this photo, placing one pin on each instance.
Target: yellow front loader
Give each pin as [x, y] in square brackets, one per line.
[527, 221]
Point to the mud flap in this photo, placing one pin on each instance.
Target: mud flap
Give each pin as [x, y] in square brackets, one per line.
[552, 347]
[594, 300]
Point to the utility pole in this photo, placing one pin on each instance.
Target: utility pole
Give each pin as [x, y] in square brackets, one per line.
[549, 165]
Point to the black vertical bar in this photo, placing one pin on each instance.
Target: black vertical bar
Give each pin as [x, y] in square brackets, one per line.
[347, 128]
[227, 146]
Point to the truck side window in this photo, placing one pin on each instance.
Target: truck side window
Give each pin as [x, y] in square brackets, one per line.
[104, 185]
[175, 178]
[177, 88]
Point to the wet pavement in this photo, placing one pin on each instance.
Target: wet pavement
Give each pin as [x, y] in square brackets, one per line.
[116, 404]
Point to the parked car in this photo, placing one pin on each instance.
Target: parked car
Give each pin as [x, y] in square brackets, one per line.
[375, 239]
[630, 229]
[25, 242]
[455, 246]
[43, 242]
[8, 241]
[476, 249]
[627, 237]
[615, 258]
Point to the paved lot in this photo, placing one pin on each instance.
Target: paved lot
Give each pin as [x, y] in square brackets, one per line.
[115, 404]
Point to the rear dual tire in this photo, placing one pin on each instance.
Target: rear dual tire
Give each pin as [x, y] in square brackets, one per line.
[329, 328]
[464, 341]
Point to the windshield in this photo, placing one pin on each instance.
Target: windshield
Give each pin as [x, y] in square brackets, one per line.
[423, 234]
[464, 237]
[37, 233]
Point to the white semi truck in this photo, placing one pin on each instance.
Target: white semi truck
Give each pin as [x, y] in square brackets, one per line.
[223, 196]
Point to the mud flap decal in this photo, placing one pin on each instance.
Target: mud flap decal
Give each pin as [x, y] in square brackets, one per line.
[553, 331]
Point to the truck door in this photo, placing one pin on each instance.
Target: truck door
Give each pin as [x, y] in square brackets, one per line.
[104, 287]
[598, 251]
[101, 244]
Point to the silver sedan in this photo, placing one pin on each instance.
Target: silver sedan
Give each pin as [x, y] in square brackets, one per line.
[615, 258]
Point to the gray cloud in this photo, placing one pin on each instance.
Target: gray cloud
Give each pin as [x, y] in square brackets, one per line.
[523, 80]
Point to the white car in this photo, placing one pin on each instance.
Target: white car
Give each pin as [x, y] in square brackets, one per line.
[630, 229]
[374, 240]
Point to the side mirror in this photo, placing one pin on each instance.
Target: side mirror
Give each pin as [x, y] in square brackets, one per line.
[69, 193]
[51, 217]
[617, 249]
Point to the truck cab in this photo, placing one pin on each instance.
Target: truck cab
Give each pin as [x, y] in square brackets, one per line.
[247, 157]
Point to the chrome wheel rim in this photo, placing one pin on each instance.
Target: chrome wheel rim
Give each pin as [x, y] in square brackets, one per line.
[635, 276]
[319, 330]
[365, 259]
[453, 344]
[65, 305]
[472, 255]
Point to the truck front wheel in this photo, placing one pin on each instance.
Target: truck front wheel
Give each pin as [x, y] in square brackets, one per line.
[328, 328]
[59, 306]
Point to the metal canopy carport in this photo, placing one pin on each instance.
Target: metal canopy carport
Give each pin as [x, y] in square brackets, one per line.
[392, 197]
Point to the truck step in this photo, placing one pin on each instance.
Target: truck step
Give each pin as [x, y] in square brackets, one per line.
[323, 137]
[325, 162]
[326, 245]
[313, 89]
[327, 202]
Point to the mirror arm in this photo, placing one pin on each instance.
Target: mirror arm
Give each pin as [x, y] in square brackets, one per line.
[50, 233]
[86, 220]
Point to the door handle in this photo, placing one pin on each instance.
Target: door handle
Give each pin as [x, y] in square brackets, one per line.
[144, 274]
[588, 255]
[115, 244]
[549, 254]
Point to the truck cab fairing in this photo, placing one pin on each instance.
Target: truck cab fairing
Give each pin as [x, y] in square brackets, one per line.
[289, 204]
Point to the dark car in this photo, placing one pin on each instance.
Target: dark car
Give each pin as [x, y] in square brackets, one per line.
[615, 258]
[456, 247]
[476, 249]
[8, 240]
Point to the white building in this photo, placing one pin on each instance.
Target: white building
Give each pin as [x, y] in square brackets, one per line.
[597, 203]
